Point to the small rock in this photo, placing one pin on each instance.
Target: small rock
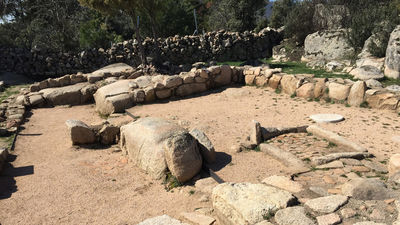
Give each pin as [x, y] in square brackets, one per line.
[197, 218]
[206, 147]
[284, 183]
[375, 166]
[328, 204]
[206, 185]
[366, 189]
[162, 220]
[352, 162]
[371, 83]
[394, 164]
[377, 215]
[319, 191]
[292, 215]
[80, 132]
[348, 213]
[330, 219]
[255, 132]
[328, 179]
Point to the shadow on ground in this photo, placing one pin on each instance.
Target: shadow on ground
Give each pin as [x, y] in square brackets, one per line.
[7, 177]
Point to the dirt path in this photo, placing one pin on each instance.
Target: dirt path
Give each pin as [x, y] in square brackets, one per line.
[85, 186]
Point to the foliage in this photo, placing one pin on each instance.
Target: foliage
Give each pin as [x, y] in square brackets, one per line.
[236, 15]
[299, 22]
[281, 9]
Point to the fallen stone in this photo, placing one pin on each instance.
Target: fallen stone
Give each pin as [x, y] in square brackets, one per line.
[394, 164]
[378, 167]
[290, 83]
[284, 183]
[320, 87]
[319, 191]
[225, 77]
[341, 155]
[80, 132]
[367, 72]
[381, 100]
[255, 133]
[109, 135]
[206, 147]
[331, 165]
[335, 138]
[366, 189]
[328, 204]
[330, 219]
[113, 70]
[327, 118]
[306, 91]
[189, 89]
[357, 93]
[351, 162]
[162, 220]
[155, 144]
[197, 218]
[292, 215]
[274, 81]
[287, 158]
[113, 98]
[371, 83]
[206, 185]
[245, 203]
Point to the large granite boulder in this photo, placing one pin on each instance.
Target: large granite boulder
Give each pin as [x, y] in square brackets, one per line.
[112, 70]
[327, 45]
[156, 145]
[68, 95]
[113, 98]
[80, 133]
[392, 60]
[246, 203]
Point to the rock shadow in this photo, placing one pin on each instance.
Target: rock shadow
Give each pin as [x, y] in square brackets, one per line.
[222, 160]
[8, 184]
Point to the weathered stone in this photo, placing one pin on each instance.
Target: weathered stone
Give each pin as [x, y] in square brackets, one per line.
[375, 166]
[327, 45]
[113, 98]
[357, 93]
[189, 89]
[69, 95]
[381, 100]
[225, 77]
[306, 91]
[328, 204]
[394, 164]
[206, 185]
[80, 132]
[393, 88]
[206, 147]
[197, 218]
[338, 92]
[392, 59]
[255, 133]
[249, 79]
[36, 100]
[109, 134]
[245, 203]
[366, 189]
[330, 219]
[348, 213]
[144, 81]
[290, 83]
[274, 81]
[172, 81]
[287, 158]
[292, 215]
[261, 81]
[320, 87]
[331, 165]
[369, 223]
[162, 220]
[153, 143]
[284, 183]
[327, 118]
[367, 72]
[163, 94]
[112, 70]
[150, 94]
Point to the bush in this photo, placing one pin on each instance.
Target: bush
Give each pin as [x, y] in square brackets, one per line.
[299, 22]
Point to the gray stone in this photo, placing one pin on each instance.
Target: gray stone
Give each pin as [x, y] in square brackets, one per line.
[172, 81]
[331, 165]
[288, 159]
[162, 220]
[206, 147]
[371, 83]
[327, 118]
[155, 144]
[327, 204]
[255, 133]
[80, 132]
[330, 219]
[393, 88]
[392, 59]
[338, 92]
[293, 215]
[113, 70]
[369, 223]
[366, 189]
[197, 218]
[245, 203]
[367, 72]
[378, 167]
[163, 94]
[189, 89]
[319, 191]
[109, 134]
[225, 77]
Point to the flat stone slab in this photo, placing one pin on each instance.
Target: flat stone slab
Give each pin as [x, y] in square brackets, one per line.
[293, 215]
[327, 118]
[162, 220]
[328, 204]
[284, 183]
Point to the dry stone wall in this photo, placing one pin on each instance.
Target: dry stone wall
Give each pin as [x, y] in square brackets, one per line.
[177, 50]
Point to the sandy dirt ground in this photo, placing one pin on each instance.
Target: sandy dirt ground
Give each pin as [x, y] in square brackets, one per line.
[51, 182]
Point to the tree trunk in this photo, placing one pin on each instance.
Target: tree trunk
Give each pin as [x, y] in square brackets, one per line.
[138, 37]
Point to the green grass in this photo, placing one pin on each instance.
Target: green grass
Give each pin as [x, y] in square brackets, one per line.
[331, 145]
[12, 90]
[278, 91]
[171, 182]
[7, 141]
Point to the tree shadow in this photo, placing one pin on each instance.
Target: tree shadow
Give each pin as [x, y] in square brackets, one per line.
[7, 177]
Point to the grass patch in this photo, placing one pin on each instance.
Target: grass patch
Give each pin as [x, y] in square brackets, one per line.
[278, 91]
[171, 182]
[300, 67]
[9, 91]
[389, 81]
[8, 141]
[364, 105]
[191, 192]
[293, 95]
[331, 145]
[257, 149]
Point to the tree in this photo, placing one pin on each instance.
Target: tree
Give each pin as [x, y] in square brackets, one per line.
[280, 11]
[130, 7]
[236, 15]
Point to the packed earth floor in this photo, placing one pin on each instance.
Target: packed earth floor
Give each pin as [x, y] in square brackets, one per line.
[52, 182]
